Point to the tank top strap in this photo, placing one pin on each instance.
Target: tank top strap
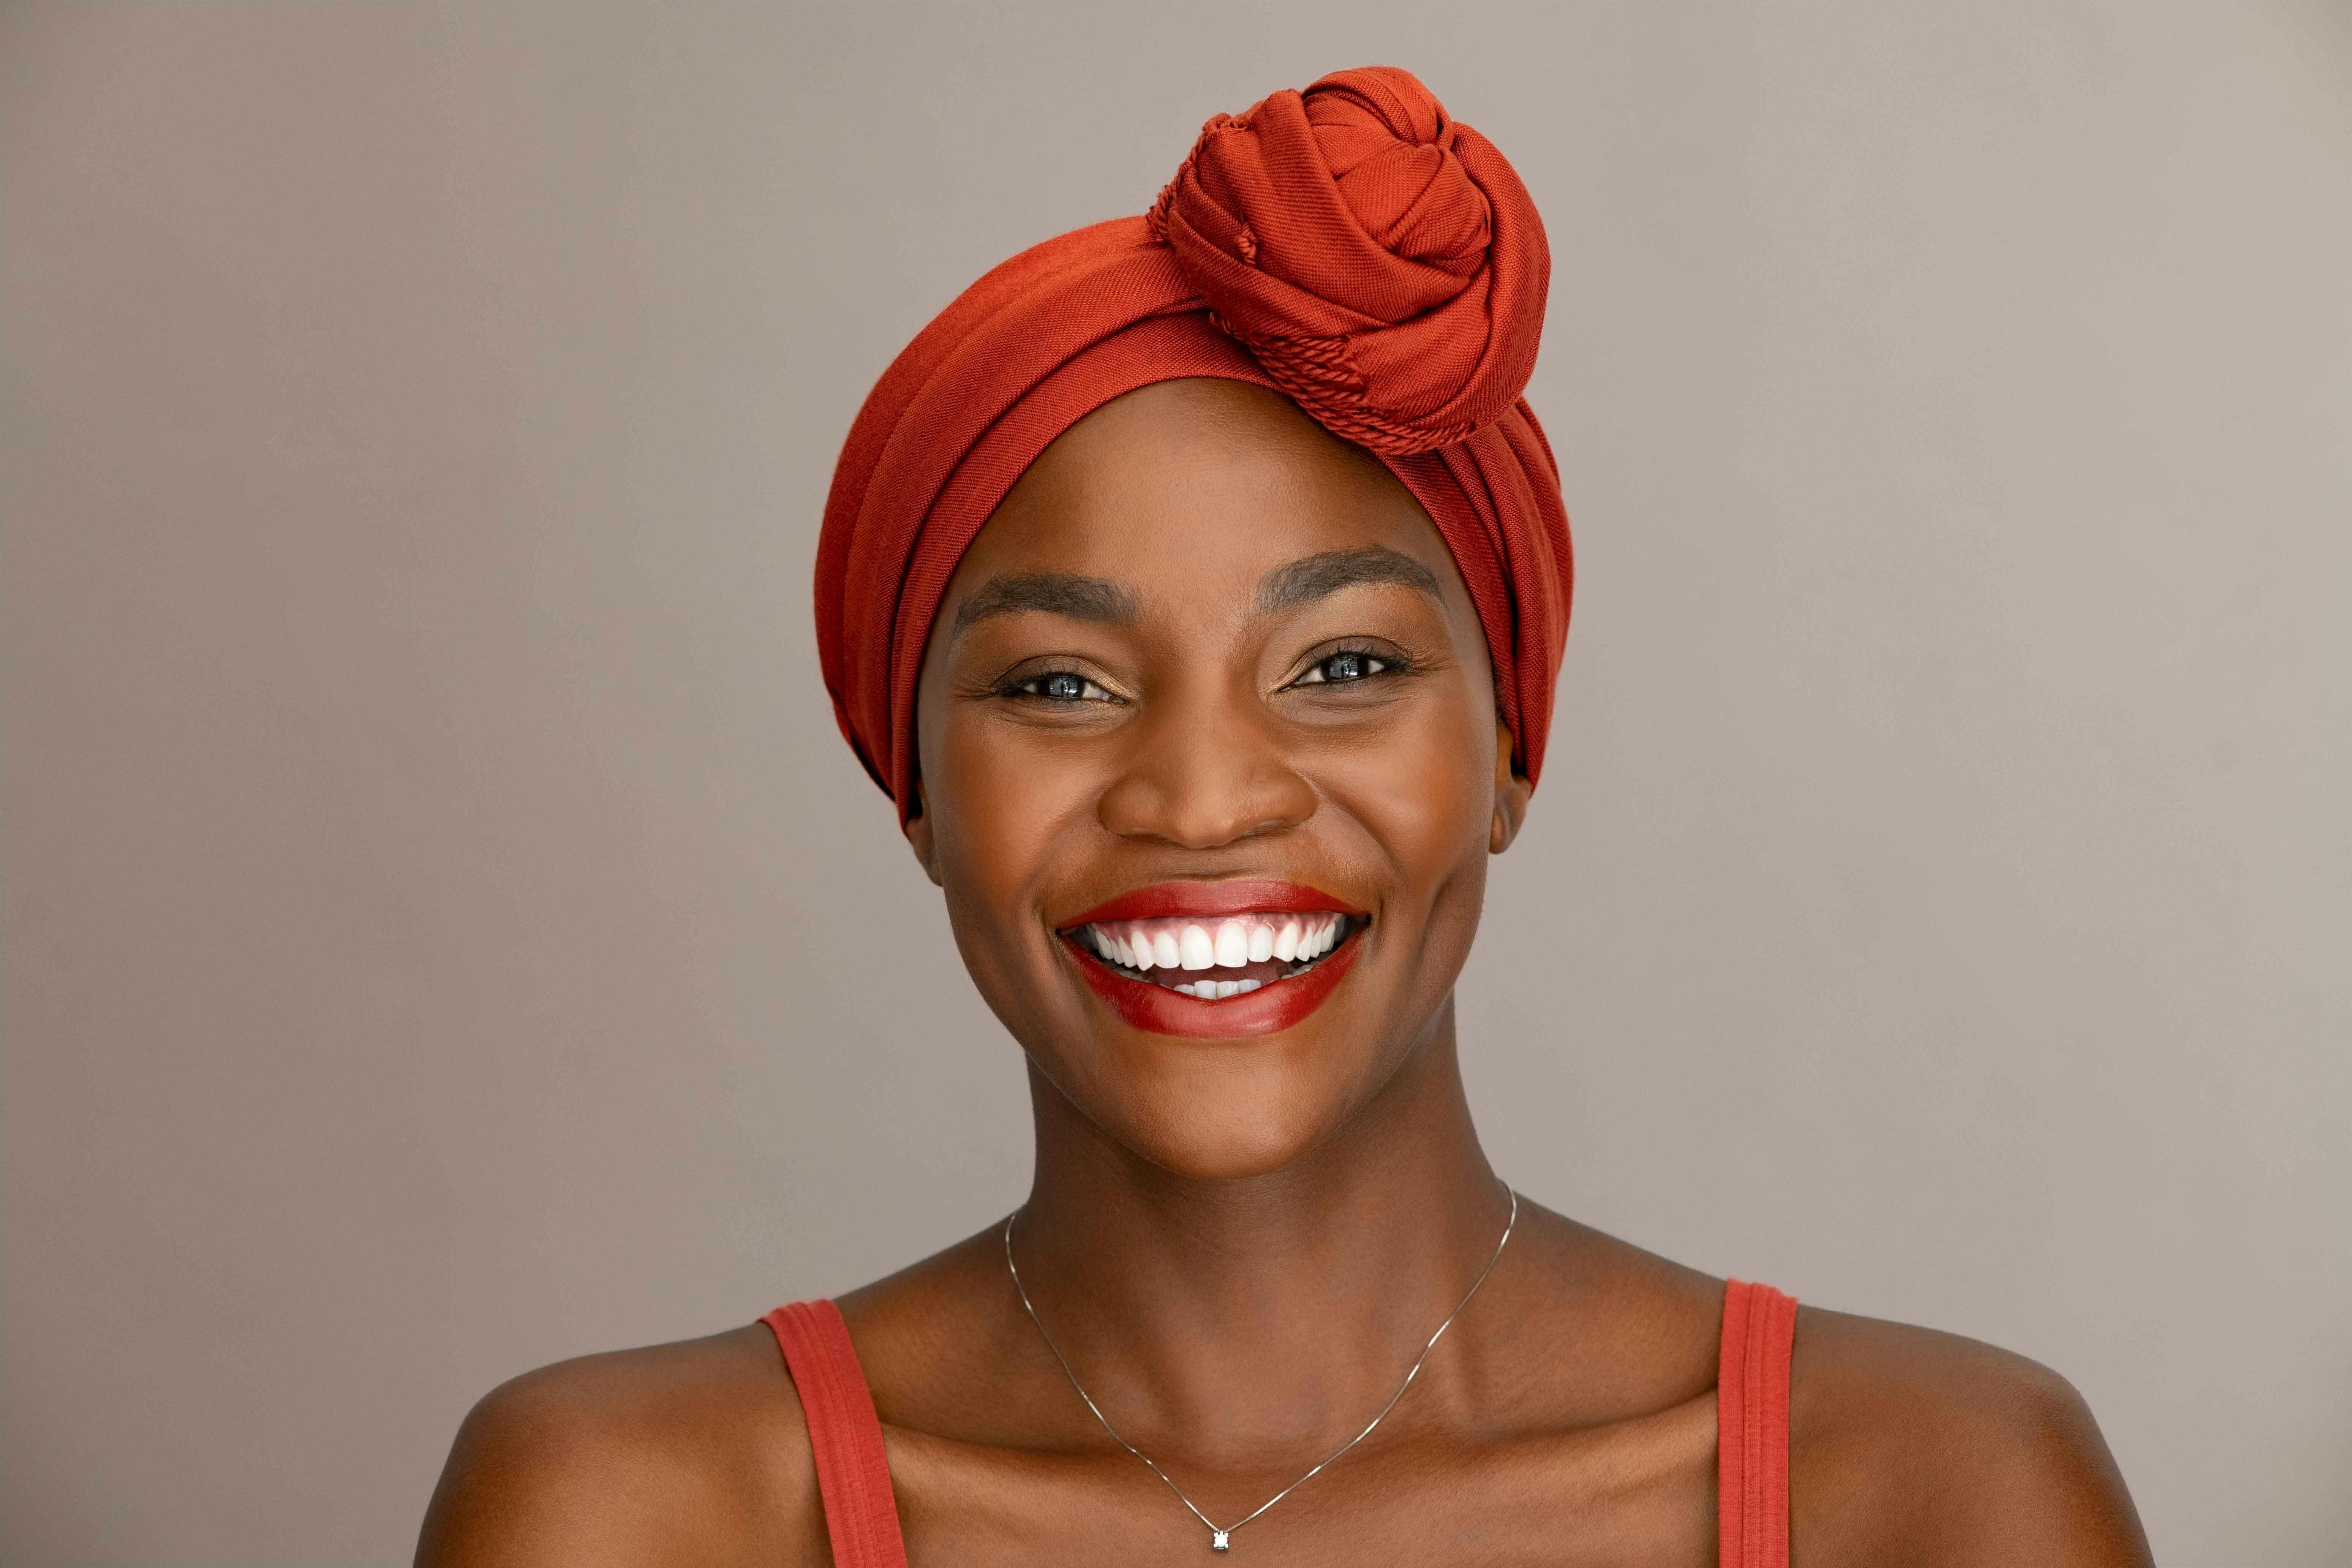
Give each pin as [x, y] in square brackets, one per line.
[853, 1475]
[1751, 1424]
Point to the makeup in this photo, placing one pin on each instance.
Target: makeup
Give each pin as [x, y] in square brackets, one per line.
[1228, 960]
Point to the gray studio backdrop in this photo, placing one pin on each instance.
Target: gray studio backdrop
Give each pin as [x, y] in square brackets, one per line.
[444, 932]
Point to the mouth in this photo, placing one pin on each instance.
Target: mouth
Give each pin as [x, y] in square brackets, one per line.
[1224, 959]
[1214, 959]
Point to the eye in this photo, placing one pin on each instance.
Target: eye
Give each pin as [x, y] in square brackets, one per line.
[1057, 686]
[1348, 664]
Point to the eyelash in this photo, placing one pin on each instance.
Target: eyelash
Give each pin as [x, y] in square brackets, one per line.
[1378, 664]
[1029, 685]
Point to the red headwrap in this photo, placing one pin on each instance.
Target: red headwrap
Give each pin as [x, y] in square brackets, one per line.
[1351, 246]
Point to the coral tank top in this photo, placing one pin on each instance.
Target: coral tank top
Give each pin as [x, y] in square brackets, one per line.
[1751, 1413]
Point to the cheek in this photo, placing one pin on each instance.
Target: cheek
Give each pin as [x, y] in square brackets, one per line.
[1003, 800]
[1426, 792]
[1429, 805]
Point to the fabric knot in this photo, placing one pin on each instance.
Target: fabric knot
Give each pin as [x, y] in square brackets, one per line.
[1351, 246]
[1381, 259]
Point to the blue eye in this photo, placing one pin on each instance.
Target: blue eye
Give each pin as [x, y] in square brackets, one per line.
[1348, 664]
[1059, 686]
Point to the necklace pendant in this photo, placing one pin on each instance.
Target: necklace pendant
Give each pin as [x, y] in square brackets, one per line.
[1218, 1542]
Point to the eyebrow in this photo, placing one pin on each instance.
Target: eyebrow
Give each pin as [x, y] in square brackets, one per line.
[1054, 593]
[1315, 577]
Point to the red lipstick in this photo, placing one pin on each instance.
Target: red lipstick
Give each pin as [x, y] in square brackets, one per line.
[1274, 1006]
[1268, 1010]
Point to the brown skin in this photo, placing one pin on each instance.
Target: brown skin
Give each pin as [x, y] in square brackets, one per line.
[1242, 1245]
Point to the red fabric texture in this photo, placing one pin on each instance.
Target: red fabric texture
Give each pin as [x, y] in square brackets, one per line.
[852, 1474]
[1351, 246]
[1382, 262]
[1751, 1417]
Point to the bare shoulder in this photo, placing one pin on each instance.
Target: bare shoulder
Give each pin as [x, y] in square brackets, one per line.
[1906, 1443]
[695, 1452]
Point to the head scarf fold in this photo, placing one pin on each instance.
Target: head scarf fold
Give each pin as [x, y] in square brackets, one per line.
[1351, 246]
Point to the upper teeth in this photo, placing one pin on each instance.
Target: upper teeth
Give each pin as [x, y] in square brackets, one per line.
[1229, 944]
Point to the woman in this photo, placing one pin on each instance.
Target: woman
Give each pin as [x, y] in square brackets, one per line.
[1196, 585]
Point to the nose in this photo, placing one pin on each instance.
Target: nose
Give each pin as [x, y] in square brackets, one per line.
[1204, 773]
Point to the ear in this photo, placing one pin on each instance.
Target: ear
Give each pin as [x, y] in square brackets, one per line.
[1511, 793]
[919, 835]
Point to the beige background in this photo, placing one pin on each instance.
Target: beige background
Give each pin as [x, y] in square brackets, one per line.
[444, 933]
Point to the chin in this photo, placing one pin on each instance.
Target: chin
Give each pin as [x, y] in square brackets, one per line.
[1223, 1089]
[1215, 1140]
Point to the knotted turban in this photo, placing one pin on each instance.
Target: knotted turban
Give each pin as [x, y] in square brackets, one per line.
[1352, 246]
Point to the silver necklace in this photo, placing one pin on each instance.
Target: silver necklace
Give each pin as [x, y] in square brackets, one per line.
[1221, 1536]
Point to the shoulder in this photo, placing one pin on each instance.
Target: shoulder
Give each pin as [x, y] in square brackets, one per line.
[1907, 1443]
[689, 1452]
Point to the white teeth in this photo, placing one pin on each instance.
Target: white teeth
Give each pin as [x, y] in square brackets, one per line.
[1213, 990]
[1285, 942]
[1216, 990]
[1309, 941]
[1225, 944]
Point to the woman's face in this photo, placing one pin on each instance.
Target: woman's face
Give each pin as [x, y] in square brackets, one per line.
[1208, 707]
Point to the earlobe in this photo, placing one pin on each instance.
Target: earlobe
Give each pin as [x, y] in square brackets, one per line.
[918, 836]
[1511, 792]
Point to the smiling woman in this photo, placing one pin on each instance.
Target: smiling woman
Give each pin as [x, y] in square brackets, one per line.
[1196, 585]
[1290, 624]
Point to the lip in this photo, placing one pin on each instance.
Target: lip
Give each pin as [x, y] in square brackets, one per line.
[1176, 900]
[1268, 1010]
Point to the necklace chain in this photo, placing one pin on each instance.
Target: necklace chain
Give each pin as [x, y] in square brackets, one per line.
[1220, 1535]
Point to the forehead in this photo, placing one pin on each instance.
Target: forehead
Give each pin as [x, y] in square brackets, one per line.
[1198, 480]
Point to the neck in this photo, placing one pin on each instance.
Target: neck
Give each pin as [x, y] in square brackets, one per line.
[1278, 1309]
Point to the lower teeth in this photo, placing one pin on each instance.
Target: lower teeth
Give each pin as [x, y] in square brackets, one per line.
[1208, 990]
[1215, 990]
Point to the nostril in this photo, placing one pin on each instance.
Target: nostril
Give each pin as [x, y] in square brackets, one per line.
[1203, 775]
